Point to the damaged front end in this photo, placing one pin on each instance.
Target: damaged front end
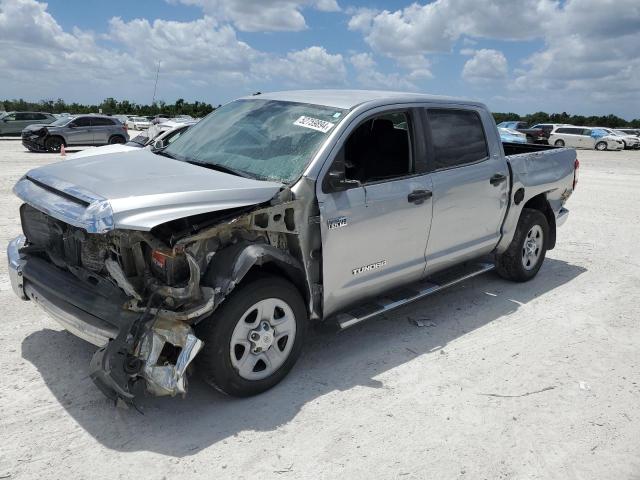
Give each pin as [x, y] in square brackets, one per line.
[163, 282]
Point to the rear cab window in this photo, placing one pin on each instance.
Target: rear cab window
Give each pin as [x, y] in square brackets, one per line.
[457, 137]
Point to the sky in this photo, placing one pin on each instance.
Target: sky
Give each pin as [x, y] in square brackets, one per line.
[523, 56]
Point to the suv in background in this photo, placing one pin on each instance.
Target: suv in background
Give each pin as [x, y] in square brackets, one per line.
[81, 130]
[12, 123]
[585, 137]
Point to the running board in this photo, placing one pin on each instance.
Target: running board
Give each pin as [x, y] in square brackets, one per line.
[397, 298]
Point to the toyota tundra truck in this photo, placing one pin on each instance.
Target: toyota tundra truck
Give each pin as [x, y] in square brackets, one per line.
[276, 212]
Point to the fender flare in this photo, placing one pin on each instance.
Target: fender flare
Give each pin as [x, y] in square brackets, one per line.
[230, 265]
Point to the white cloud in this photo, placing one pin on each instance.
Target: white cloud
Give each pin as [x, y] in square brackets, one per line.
[591, 54]
[263, 15]
[200, 53]
[436, 26]
[368, 75]
[485, 65]
[309, 67]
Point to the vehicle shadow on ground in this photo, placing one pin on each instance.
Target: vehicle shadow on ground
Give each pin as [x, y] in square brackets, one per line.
[331, 362]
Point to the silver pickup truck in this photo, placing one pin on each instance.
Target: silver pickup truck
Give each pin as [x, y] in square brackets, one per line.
[275, 212]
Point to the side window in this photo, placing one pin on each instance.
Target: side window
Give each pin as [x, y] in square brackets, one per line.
[11, 117]
[100, 122]
[40, 116]
[574, 131]
[586, 132]
[379, 149]
[173, 136]
[82, 122]
[458, 137]
[23, 116]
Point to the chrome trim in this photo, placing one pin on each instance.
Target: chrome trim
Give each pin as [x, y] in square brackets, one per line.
[562, 217]
[16, 262]
[349, 321]
[98, 333]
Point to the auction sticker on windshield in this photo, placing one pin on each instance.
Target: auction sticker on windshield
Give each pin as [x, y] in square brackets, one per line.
[314, 124]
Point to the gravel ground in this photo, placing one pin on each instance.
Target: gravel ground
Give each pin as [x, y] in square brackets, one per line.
[504, 381]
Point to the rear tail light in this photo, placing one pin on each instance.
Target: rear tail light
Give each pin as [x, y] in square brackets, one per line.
[576, 167]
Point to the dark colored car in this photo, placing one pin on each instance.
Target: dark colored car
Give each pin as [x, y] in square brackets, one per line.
[534, 135]
[82, 130]
[12, 123]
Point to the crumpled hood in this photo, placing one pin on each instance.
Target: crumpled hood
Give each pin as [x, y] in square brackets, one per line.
[135, 190]
[35, 127]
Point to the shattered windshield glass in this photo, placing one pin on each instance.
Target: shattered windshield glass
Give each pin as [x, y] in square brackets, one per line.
[264, 139]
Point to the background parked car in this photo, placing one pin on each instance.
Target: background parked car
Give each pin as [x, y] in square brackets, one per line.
[511, 136]
[585, 137]
[534, 135]
[630, 131]
[81, 130]
[167, 136]
[547, 128]
[138, 123]
[629, 141]
[12, 123]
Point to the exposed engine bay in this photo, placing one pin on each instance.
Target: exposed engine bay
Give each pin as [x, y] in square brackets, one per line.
[173, 276]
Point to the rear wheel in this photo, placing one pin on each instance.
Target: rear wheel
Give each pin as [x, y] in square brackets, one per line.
[524, 257]
[117, 139]
[559, 143]
[602, 146]
[53, 144]
[253, 340]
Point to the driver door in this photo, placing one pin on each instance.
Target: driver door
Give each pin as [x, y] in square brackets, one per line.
[375, 227]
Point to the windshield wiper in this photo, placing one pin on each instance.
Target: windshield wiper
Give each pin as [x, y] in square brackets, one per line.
[164, 154]
[222, 168]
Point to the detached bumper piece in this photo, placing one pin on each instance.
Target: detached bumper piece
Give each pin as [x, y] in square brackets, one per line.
[137, 349]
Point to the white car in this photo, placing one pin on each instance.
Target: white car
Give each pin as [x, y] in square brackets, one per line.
[630, 141]
[155, 130]
[585, 137]
[138, 123]
[167, 136]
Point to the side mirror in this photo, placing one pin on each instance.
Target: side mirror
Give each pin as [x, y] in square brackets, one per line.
[158, 144]
[337, 181]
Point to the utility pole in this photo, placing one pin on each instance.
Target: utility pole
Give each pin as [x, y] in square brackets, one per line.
[155, 87]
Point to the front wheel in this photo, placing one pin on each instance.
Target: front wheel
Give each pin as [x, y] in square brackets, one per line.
[253, 340]
[523, 259]
[601, 146]
[53, 144]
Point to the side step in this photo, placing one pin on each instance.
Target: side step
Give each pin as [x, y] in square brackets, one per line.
[411, 293]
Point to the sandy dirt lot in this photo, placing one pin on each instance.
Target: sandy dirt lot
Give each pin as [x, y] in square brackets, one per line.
[507, 381]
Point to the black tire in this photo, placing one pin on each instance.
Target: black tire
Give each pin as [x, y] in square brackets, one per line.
[214, 362]
[117, 139]
[559, 143]
[601, 146]
[510, 264]
[53, 144]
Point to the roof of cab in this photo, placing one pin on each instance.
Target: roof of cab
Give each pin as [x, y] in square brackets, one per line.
[348, 99]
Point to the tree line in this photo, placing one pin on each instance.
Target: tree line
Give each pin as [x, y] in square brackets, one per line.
[111, 106]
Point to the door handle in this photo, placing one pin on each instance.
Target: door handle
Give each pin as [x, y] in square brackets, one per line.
[419, 196]
[497, 179]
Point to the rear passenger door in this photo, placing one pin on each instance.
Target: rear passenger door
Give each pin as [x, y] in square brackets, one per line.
[470, 185]
[101, 129]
